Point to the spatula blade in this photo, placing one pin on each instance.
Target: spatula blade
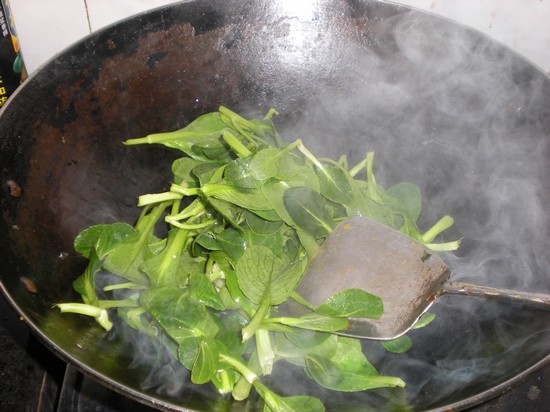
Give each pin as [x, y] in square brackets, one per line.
[364, 254]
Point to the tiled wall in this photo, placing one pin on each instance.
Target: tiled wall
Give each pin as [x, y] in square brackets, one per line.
[46, 27]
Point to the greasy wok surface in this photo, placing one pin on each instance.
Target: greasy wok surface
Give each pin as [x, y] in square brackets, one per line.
[442, 107]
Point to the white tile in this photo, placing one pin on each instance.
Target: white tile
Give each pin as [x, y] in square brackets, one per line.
[104, 12]
[523, 25]
[47, 27]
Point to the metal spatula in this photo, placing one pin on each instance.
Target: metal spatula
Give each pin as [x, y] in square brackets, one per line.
[407, 276]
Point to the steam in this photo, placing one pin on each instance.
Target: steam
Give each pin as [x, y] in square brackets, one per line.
[458, 126]
[163, 375]
[448, 110]
[463, 120]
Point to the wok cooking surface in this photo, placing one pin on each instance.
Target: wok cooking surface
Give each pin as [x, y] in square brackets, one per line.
[36, 380]
[442, 106]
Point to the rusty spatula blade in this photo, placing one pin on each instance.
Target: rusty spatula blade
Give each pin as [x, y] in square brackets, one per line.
[407, 276]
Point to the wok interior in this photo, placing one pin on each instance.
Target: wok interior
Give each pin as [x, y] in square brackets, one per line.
[441, 106]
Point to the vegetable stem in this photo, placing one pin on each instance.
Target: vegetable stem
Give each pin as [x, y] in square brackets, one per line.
[160, 137]
[125, 285]
[358, 167]
[190, 226]
[249, 375]
[442, 224]
[248, 129]
[100, 314]
[263, 310]
[309, 155]
[299, 299]
[240, 149]
[194, 209]
[241, 390]
[185, 191]
[152, 198]
[174, 249]
[372, 187]
[444, 247]
[266, 355]
[269, 397]
[226, 386]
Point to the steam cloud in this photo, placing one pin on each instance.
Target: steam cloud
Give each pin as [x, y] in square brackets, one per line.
[452, 112]
[463, 119]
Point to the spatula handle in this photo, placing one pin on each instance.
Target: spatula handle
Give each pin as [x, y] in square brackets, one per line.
[468, 289]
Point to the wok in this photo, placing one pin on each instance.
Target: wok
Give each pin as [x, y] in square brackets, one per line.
[441, 105]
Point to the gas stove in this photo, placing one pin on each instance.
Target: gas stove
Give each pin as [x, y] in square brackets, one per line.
[35, 380]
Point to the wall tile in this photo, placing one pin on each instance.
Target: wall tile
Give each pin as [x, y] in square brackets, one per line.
[47, 27]
[523, 25]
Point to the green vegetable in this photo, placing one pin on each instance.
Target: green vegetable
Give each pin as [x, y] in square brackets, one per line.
[244, 216]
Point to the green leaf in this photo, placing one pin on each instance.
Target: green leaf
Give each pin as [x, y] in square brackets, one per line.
[103, 238]
[424, 320]
[265, 163]
[308, 242]
[273, 241]
[257, 130]
[182, 169]
[204, 291]
[313, 341]
[260, 269]
[399, 345]
[349, 356]
[127, 257]
[229, 333]
[262, 226]
[86, 240]
[274, 191]
[230, 212]
[208, 172]
[313, 321]
[163, 269]
[269, 215]
[232, 242]
[85, 283]
[352, 303]
[295, 173]
[207, 240]
[329, 375]
[207, 361]
[308, 210]
[188, 348]
[268, 207]
[246, 198]
[224, 380]
[367, 207]
[229, 240]
[335, 184]
[276, 403]
[408, 199]
[173, 308]
[238, 174]
[223, 261]
[201, 139]
[293, 346]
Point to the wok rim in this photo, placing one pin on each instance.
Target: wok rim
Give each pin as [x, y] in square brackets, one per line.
[150, 400]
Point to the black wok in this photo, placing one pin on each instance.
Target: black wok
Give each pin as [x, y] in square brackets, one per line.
[441, 105]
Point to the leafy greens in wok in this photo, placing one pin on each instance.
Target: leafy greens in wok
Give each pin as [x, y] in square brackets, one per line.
[244, 215]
